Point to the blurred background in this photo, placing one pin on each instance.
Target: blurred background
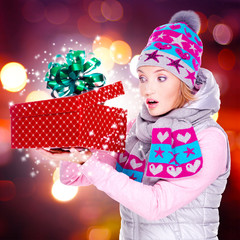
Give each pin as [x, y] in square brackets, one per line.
[33, 203]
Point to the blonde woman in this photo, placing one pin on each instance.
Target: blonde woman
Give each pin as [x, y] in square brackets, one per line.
[170, 179]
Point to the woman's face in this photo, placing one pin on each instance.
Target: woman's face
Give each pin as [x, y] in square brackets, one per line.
[160, 89]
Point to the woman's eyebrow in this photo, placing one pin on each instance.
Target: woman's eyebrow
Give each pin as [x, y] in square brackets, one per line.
[160, 70]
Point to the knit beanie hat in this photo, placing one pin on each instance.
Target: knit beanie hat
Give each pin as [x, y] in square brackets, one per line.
[176, 47]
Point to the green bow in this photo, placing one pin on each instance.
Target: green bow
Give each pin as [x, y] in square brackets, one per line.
[69, 78]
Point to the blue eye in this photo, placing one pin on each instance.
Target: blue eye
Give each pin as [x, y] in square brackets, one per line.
[142, 79]
[162, 78]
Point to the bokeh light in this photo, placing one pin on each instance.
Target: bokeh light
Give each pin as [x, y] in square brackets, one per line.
[226, 59]
[56, 174]
[37, 96]
[87, 27]
[13, 77]
[89, 212]
[113, 35]
[204, 22]
[112, 10]
[7, 190]
[94, 11]
[120, 52]
[133, 66]
[215, 116]
[222, 34]
[213, 20]
[33, 11]
[103, 54]
[99, 233]
[101, 41]
[222, 81]
[5, 138]
[57, 13]
[62, 192]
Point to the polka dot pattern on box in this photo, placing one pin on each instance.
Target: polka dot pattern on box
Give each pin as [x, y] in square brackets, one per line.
[71, 121]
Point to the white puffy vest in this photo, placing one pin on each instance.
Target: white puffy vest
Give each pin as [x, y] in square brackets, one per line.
[199, 220]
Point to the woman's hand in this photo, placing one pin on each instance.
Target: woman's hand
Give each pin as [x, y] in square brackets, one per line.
[72, 156]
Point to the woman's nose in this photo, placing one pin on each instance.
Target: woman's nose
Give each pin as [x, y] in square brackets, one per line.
[149, 88]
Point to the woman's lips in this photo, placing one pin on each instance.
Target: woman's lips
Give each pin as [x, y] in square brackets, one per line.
[151, 103]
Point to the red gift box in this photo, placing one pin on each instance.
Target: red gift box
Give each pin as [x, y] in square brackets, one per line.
[71, 122]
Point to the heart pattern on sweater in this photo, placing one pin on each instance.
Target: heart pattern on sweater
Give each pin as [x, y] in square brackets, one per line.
[155, 170]
[134, 164]
[162, 137]
[193, 167]
[174, 172]
[122, 159]
[183, 138]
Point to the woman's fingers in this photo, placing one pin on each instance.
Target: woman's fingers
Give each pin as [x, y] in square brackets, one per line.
[52, 156]
[72, 156]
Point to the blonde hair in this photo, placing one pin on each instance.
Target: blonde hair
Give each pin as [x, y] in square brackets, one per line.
[185, 95]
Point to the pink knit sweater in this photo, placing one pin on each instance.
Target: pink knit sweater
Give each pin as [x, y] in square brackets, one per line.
[150, 202]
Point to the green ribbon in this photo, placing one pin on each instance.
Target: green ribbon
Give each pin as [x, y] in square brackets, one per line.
[71, 77]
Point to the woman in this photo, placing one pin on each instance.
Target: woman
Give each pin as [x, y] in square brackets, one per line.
[170, 179]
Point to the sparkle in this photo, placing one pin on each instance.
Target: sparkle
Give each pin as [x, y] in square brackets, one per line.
[153, 56]
[33, 174]
[175, 63]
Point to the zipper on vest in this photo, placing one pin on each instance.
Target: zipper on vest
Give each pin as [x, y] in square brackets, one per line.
[135, 226]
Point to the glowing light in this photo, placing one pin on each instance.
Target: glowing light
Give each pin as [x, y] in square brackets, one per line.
[33, 11]
[213, 20]
[120, 52]
[94, 11]
[56, 174]
[57, 13]
[13, 77]
[133, 65]
[112, 10]
[222, 34]
[101, 41]
[226, 59]
[63, 192]
[7, 190]
[88, 27]
[204, 22]
[215, 116]
[37, 96]
[103, 54]
[222, 81]
[5, 139]
[99, 233]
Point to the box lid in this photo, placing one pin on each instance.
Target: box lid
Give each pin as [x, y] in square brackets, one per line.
[67, 104]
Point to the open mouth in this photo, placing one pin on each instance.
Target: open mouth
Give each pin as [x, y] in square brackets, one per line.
[151, 103]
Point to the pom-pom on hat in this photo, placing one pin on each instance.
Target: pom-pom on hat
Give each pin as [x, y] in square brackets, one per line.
[176, 47]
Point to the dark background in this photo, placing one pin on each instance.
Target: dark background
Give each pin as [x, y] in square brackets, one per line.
[27, 207]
